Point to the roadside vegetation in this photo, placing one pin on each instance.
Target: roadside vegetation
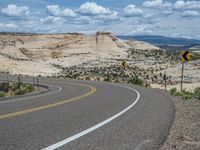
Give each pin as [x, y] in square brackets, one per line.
[114, 73]
[10, 89]
[186, 94]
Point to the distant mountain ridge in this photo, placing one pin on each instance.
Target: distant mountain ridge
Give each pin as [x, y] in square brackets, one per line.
[162, 40]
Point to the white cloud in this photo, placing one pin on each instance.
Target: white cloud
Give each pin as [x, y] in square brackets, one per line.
[103, 18]
[112, 17]
[168, 12]
[91, 8]
[180, 4]
[157, 4]
[190, 13]
[82, 20]
[149, 16]
[8, 26]
[13, 10]
[131, 10]
[56, 11]
[141, 30]
[51, 19]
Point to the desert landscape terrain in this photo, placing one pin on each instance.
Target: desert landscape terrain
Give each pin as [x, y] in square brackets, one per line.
[94, 57]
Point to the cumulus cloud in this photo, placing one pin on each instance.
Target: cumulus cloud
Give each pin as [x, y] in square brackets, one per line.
[180, 4]
[157, 4]
[141, 30]
[91, 8]
[168, 12]
[8, 26]
[131, 10]
[190, 13]
[56, 11]
[111, 17]
[13, 10]
[82, 20]
[52, 19]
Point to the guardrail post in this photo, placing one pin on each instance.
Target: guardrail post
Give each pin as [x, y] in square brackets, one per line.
[38, 84]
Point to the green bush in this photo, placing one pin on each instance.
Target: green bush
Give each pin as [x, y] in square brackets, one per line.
[186, 96]
[87, 78]
[23, 89]
[107, 79]
[4, 86]
[197, 92]
[2, 94]
[29, 88]
[137, 80]
[187, 92]
[178, 94]
[173, 91]
[147, 85]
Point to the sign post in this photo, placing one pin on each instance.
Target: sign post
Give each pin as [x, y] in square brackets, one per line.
[165, 78]
[182, 76]
[185, 57]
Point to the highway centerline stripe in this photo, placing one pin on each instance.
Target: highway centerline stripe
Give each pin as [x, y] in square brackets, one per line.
[26, 111]
[91, 129]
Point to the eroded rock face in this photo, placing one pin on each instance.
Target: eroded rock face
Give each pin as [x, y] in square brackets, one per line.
[69, 49]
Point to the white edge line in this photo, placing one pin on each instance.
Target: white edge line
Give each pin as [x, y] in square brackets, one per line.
[142, 144]
[25, 98]
[80, 134]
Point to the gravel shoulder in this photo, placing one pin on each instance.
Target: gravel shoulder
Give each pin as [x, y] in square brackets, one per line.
[185, 131]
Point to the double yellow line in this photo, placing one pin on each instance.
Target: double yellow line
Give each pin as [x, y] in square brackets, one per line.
[26, 111]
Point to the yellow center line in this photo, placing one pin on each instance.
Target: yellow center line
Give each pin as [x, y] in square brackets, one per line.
[26, 111]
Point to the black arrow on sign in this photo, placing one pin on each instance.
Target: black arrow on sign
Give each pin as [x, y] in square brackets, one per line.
[185, 55]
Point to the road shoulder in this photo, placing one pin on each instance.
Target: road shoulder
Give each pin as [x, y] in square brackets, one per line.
[184, 133]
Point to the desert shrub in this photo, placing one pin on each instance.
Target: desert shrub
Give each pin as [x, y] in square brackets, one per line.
[2, 94]
[87, 78]
[197, 92]
[147, 85]
[184, 94]
[23, 89]
[187, 96]
[178, 94]
[4, 86]
[173, 91]
[187, 92]
[17, 92]
[29, 88]
[20, 91]
[107, 79]
[15, 86]
[137, 80]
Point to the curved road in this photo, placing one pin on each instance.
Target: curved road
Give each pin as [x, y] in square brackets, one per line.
[85, 115]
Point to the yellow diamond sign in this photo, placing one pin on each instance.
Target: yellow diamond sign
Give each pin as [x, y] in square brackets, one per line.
[124, 64]
[185, 56]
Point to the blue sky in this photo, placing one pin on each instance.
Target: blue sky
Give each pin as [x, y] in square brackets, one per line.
[174, 18]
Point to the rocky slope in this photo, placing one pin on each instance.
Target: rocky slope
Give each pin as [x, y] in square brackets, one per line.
[34, 54]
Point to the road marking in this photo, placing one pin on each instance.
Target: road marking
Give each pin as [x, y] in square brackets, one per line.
[142, 144]
[9, 115]
[91, 129]
[36, 96]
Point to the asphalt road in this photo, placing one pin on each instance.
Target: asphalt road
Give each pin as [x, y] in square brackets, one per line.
[84, 115]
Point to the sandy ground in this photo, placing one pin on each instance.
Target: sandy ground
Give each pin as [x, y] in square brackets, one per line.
[186, 86]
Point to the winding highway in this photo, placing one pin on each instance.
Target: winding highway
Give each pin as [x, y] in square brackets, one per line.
[85, 115]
